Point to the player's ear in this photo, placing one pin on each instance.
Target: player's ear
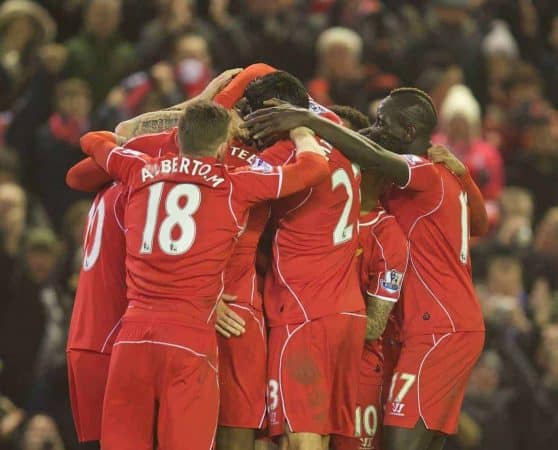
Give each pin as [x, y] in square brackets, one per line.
[410, 133]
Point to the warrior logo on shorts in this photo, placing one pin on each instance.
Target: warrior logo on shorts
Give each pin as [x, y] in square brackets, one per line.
[397, 409]
[392, 281]
[366, 444]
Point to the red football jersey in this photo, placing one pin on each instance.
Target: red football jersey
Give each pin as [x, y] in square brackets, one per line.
[438, 294]
[240, 273]
[383, 261]
[183, 215]
[100, 299]
[314, 271]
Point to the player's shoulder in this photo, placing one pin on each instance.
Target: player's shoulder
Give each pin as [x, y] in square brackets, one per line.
[153, 144]
[380, 223]
[417, 161]
[280, 152]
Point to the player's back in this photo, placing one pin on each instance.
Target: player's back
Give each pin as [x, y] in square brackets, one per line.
[100, 299]
[240, 273]
[314, 266]
[438, 295]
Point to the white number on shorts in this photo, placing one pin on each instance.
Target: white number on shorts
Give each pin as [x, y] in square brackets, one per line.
[408, 379]
[176, 216]
[343, 231]
[368, 418]
[464, 228]
[94, 231]
[272, 395]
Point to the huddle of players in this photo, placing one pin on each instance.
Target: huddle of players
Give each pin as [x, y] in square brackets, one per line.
[186, 211]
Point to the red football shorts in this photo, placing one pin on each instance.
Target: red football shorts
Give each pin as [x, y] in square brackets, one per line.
[430, 379]
[160, 390]
[87, 376]
[391, 349]
[243, 372]
[368, 412]
[313, 375]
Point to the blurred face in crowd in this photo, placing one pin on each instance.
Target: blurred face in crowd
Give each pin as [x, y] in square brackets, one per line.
[339, 61]
[263, 7]
[485, 377]
[102, 18]
[13, 204]
[449, 15]
[18, 33]
[73, 100]
[192, 47]
[539, 139]
[505, 276]
[177, 11]
[546, 237]
[458, 130]
[41, 263]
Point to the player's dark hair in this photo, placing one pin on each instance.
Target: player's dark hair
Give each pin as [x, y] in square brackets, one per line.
[280, 85]
[417, 107]
[356, 119]
[203, 127]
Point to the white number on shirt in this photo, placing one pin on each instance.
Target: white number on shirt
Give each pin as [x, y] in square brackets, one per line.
[92, 250]
[408, 381]
[176, 216]
[272, 395]
[464, 228]
[343, 231]
[368, 418]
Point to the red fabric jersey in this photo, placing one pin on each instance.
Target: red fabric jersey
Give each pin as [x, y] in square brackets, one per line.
[383, 261]
[314, 270]
[240, 273]
[182, 218]
[100, 299]
[432, 210]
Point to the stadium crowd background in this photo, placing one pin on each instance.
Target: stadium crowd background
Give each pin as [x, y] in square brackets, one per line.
[491, 67]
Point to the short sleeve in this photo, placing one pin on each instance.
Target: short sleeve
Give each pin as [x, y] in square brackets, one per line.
[422, 173]
[388, 263]
[258, 182]
[123, 163]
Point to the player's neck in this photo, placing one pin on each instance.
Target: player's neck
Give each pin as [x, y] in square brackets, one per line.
[368, 204]
[419, 147]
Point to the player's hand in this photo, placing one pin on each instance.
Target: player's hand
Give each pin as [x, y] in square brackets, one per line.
[440, 154]
[276, 119]
[219, 83]
[228, 322]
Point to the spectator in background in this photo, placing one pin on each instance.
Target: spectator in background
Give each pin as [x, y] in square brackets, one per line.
[342, 78]
[175, 18]
[549, 62]
[533, 163]
[452, 37]
[489, 405]
[9, 165]
[382, 33]
[280, 36]
[460, 130]
[165, 84]
[24, 27]
[13, 216]
[98, 54]
[57, 148]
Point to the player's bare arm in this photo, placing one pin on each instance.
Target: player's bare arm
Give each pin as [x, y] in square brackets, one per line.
[357, 148]
[158, 121]
[377, 311]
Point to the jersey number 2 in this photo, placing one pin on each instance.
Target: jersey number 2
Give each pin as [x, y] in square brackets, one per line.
[176, 216]
[343, 231]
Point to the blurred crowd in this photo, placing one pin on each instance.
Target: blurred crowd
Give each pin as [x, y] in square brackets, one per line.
[491, 67]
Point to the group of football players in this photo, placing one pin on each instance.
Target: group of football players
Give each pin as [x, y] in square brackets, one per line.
[237, 287]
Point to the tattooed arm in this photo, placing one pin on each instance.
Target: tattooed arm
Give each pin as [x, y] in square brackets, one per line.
[157, 121]
[377, 311]
[151, 122]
